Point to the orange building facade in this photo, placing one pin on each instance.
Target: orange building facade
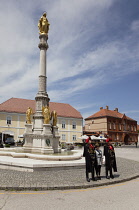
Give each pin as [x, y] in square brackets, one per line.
[113, 124]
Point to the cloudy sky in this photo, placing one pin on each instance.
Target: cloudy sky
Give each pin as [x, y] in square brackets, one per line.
[93, 55]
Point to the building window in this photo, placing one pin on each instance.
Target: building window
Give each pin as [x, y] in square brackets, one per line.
[74, 137]
[63, 137]
[114, 126]
[9, 120]
[120, 127]
[63, 124]
[110, 125]
[117, 136]
[74, 125]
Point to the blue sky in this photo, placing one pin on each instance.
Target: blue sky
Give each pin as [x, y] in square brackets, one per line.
[93, 55]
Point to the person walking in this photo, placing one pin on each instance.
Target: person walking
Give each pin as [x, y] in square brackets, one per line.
[110, 159]
[136, 142]
[99, 158]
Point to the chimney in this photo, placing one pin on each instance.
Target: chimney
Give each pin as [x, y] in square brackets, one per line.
[101, 108]
[116, 109]
[107, 107]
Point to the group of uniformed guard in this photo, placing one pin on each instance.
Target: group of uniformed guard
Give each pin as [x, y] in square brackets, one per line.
[94, 159]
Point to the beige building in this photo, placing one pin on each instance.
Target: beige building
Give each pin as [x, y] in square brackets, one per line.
[113, 124]
[13, 119]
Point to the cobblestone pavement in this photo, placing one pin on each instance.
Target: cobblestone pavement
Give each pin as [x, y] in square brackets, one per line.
[64, 179]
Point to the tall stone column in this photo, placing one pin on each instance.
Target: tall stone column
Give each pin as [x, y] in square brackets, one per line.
[41, 98]
[40, 137]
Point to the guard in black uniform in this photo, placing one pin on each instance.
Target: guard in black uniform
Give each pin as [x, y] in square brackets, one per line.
[92, 153]
[110, 159]
[87, 158]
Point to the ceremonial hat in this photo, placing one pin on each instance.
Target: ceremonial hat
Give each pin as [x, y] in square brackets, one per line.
[87, 140]
[109, 139]
[91, 146]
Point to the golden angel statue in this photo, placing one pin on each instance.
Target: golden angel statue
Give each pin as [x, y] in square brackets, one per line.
[46, 113]
[43, 24]
[54, 115]
[29, 112]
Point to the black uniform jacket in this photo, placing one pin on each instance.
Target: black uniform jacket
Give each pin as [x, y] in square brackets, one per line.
[110, 158]
[87, 158]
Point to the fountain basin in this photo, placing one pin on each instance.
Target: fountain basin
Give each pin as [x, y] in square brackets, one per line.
[38, 162]
[19, 153]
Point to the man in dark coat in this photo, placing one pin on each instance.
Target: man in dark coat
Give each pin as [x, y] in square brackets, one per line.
[110, 159]
[93, 156]
[90, 159]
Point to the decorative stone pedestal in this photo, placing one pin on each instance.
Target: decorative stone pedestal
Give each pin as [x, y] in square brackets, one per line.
[28, 128]
[47, 129]
[45, 143]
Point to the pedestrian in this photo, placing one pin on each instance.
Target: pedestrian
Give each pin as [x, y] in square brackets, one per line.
[90, 159]
[99, 158]
[110, 159]
[92, 153]
[136, 142]
[87, 158]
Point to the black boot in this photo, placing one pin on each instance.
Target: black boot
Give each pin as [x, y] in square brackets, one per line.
[107, 177]
[94, 179]
[111, 176]
[87, 177]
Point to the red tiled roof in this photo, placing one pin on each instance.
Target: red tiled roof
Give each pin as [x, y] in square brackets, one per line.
[18, 105]
[108, 113]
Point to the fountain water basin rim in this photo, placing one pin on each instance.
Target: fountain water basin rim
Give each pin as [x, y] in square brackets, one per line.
[13, 152]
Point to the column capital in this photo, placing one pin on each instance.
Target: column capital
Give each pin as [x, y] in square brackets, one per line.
[43, 46]
[43, 41]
